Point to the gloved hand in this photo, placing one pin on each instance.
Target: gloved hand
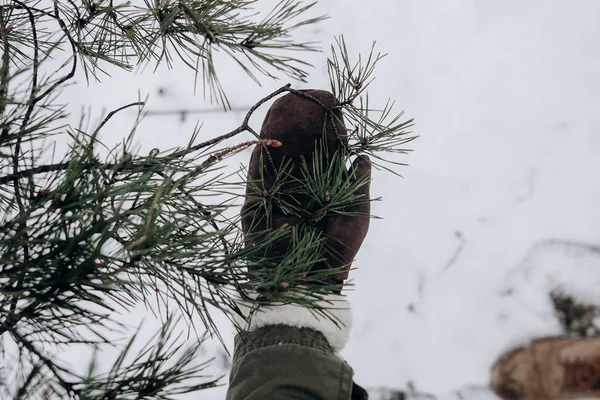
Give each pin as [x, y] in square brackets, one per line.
[311, 132]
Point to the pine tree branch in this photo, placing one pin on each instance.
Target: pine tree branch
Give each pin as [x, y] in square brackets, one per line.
[17, 147]
[71, 73]
[35, 65]
[112, 113]
[177, 154]
[4, 72]
[69, 387]
[242, 128]
[31, 103]
[100, 235]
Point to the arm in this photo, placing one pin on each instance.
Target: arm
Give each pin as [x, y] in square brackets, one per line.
[290, 352]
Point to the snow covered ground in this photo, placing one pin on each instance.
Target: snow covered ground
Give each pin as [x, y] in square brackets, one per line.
[499, 203]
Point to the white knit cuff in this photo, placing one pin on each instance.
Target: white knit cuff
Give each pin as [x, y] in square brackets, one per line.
[332, 317]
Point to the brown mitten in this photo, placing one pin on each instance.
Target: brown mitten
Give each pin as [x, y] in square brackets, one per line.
[312, 134]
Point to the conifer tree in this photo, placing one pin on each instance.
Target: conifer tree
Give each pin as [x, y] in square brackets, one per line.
[86, 236]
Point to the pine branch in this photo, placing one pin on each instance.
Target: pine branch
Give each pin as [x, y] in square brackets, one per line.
[4, 70]
[89, 235]
[177, 154]
[349, 82]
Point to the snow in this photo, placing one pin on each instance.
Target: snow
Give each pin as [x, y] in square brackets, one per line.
[499, 204]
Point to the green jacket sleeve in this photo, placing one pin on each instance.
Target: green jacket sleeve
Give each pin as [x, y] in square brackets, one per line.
[282, 362]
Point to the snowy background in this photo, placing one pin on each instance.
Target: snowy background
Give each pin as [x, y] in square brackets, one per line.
[499, 203]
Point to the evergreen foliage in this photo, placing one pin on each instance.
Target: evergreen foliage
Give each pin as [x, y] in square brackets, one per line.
[87, 236]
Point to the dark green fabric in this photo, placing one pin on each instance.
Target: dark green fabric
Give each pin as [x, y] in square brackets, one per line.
[280, 362]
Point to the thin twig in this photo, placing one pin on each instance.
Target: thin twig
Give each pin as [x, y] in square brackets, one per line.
[267, 152]
[242, 128]
[71, 73]
[457, 252]
[32, 99]
[112, 113]
[4, 70]
[49, 168]
[17, 149]
[219, 155]
[53, 367]
[12, 319]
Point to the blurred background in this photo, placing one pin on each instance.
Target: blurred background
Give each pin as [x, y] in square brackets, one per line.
[498, 207]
